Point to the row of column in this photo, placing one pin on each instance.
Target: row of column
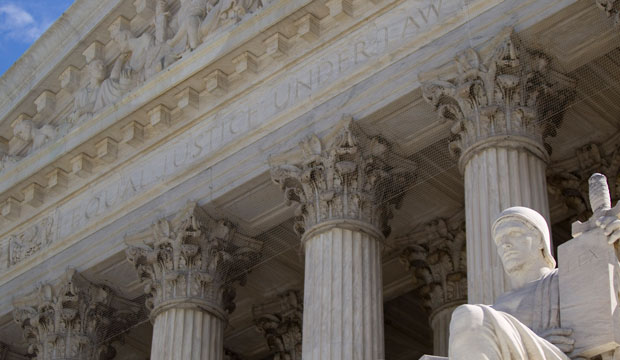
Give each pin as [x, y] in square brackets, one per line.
[344, 189]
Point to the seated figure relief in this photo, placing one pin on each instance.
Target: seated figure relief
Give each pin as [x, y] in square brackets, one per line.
[530, 322]
[100, 91]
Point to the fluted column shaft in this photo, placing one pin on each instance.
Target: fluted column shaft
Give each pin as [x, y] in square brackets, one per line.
[343, 296]
[497, 178]
[345, 192]
[194, 334]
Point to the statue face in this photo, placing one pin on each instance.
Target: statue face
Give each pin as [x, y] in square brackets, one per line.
[23, 130]
[518, 245]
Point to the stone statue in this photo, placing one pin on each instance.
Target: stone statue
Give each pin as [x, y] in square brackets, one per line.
[100, 91]
[525, 322]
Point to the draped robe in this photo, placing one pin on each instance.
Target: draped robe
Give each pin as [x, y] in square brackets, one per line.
[509, 328]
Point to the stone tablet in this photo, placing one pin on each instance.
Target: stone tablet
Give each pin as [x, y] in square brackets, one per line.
[588, 280]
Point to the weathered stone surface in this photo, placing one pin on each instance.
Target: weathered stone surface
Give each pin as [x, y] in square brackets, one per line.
[67, 320]
[193, 258]
[356, 177]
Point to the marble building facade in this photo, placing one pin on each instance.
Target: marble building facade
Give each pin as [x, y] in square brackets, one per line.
[288, 179]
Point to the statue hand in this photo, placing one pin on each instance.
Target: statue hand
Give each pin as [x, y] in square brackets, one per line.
[560, 338]
[611, 227]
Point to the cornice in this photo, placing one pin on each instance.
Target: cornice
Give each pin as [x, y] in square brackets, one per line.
[50, 50]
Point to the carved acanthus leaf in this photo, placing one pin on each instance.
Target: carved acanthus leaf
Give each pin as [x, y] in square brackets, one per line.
[67, 320]
[512, 92]
[437, 259]
[30, 241]
[572, 187]
[194, 256]
[356, 177]
[611, 8]
[282, 329]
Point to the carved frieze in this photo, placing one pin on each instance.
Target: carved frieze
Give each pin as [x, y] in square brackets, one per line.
[140, 57]
[283, 327]
[512, 92]
[355, 176]
[67, 320]
[194, 257]
[27, 243]
[436, 257]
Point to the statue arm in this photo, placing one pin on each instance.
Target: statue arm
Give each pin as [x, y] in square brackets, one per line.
[611, 228]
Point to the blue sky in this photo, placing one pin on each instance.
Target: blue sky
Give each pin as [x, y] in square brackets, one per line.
[22, 22]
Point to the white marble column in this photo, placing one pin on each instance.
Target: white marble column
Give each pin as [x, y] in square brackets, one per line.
[435, 255]
[66, 320]
[344, 192]
[186, 270]
[502, 111]
[344, 295]
[497, 178]
[180, 333]
[440, 323]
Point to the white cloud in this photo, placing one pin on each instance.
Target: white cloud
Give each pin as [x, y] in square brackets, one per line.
[18, 24]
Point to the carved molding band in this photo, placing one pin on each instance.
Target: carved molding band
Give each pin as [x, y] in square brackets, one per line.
[437, 258]
[66, 321]
[355, 177]
[194, 260]
[282, 328]
[168, 31]
[513, 92]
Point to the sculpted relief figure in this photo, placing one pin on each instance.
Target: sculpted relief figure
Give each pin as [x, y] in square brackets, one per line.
[29, 138]
[232, 11]
[525, 323]
[147, 54]
[198, 18]
[189, 20]
[100, 91]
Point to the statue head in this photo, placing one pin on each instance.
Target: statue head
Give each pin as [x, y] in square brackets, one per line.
[23, 130]
[523, 242]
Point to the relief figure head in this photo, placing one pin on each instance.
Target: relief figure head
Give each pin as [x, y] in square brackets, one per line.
[96, 71]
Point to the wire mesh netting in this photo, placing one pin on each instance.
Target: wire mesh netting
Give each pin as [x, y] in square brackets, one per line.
[519, 87]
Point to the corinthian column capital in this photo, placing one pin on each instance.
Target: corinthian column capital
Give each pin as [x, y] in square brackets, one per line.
[66, 320]
[192, 261]
[281, 323]
[353, 177]
[512, 97]
[436, 256]
[611, 8]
